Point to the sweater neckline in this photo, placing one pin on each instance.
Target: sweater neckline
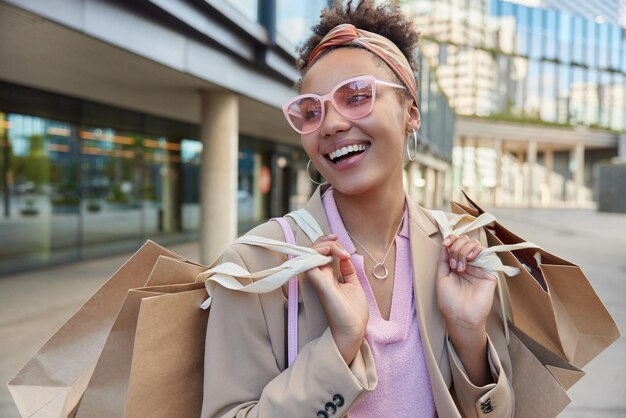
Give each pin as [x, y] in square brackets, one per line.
[402, 303]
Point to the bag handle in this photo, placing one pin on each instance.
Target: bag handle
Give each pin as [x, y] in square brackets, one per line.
[292, 300]
[487, 259]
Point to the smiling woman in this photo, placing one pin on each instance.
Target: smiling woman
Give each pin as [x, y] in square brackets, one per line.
[400, 325]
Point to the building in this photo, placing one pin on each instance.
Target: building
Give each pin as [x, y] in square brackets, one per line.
[126, 121]
[539, 86]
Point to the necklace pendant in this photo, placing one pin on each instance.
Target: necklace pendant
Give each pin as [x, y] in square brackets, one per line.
[377, 269]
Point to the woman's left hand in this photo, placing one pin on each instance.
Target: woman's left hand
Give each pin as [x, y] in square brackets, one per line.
[464, 293]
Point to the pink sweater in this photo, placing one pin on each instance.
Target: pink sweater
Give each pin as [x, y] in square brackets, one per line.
[403, 385]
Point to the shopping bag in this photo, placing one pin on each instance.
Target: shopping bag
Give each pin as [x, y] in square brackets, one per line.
[53, 381]
[152, 362]
[551, 300]
[538, 393]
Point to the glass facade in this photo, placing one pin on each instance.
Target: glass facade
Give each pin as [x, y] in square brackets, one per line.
[73, 189]
[295, 18]
[527, 63]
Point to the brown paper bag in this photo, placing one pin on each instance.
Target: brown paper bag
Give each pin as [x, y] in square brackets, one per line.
[152, 362]
[538, 393]
[552, 302]
[53, 381]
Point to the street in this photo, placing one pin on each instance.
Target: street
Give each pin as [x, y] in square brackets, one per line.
[34, 304]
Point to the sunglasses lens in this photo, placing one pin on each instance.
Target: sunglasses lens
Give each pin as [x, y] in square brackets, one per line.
[305, 114]
[355, 98]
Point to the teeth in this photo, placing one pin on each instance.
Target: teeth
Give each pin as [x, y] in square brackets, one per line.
[345, 150]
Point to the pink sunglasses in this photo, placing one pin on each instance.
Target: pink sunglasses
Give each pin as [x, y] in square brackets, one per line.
[352, 98]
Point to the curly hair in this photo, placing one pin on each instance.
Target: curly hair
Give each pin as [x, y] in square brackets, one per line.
[384, 19]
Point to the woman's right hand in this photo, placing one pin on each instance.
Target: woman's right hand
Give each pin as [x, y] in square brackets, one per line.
[345, 304]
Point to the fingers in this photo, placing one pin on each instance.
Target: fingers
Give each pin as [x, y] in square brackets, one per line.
[348, 272]
[479, 273]
[328, 245]
[462, 249]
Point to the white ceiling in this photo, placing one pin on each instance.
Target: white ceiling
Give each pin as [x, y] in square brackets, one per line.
[38, 53]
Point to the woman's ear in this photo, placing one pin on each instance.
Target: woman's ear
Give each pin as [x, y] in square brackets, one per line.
[414, 118]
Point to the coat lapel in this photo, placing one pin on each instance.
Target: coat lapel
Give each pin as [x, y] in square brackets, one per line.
[425, 251]
[316, 322]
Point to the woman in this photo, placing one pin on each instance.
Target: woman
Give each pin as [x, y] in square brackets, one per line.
[400, 325]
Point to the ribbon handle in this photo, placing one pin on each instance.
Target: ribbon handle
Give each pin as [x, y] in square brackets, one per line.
[487, 259]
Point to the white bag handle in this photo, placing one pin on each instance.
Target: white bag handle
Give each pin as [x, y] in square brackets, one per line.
[228, 274]
[487, 259]
[307, 223]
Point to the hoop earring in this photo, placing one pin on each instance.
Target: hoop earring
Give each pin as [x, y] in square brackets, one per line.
[309, 176]
[408, 150]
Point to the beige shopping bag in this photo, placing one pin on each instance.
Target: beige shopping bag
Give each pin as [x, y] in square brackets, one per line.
[538, 393]
[551, 300]
[53, 381]
[152, 362]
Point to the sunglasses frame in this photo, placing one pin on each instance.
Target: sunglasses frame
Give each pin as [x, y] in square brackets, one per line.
[330, 98]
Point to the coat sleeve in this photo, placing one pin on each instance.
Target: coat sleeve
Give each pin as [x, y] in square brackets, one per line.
[242, 376]
[495, 400]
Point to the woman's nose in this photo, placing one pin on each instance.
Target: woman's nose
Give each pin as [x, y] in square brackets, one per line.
[333, 121]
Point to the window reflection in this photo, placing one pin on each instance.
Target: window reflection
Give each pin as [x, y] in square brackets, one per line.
[295, 18]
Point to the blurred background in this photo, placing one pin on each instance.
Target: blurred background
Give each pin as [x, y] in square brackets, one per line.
[114, 115]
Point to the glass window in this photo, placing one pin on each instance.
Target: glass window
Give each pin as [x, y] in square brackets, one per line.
[537, 34]
[593, 96]
[191, 156]
[590, 46]
[111, 181]
[607, 95]
[523, 31]
[578, 96]
[618, 114]
[295, 18]
[532, 105]
[623, 52]
[565, 37]
[507, 8]
[550, 35]
[548, 92]
[563, 95]
[158, 185]
[578, 43]
[602, 45]
[40, 207]
[615, 36]
[521, 70]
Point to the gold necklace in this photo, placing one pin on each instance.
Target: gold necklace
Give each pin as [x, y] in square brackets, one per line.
[380, 264]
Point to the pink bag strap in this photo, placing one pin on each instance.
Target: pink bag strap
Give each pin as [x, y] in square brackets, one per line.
[292, 312]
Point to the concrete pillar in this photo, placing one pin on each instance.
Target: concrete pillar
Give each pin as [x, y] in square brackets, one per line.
[519, 179]
[498, 191]
[579, 173]
[469, 172]
[440, 191]
[529, 187]
[476, 186]
[458, 168]
[219, 132]
[621, 147]
[431, 187]
[548, 160]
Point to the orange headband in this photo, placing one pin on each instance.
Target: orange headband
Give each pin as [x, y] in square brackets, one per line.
[380, 46]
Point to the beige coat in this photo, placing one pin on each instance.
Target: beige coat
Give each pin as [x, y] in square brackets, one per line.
[245, 364]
